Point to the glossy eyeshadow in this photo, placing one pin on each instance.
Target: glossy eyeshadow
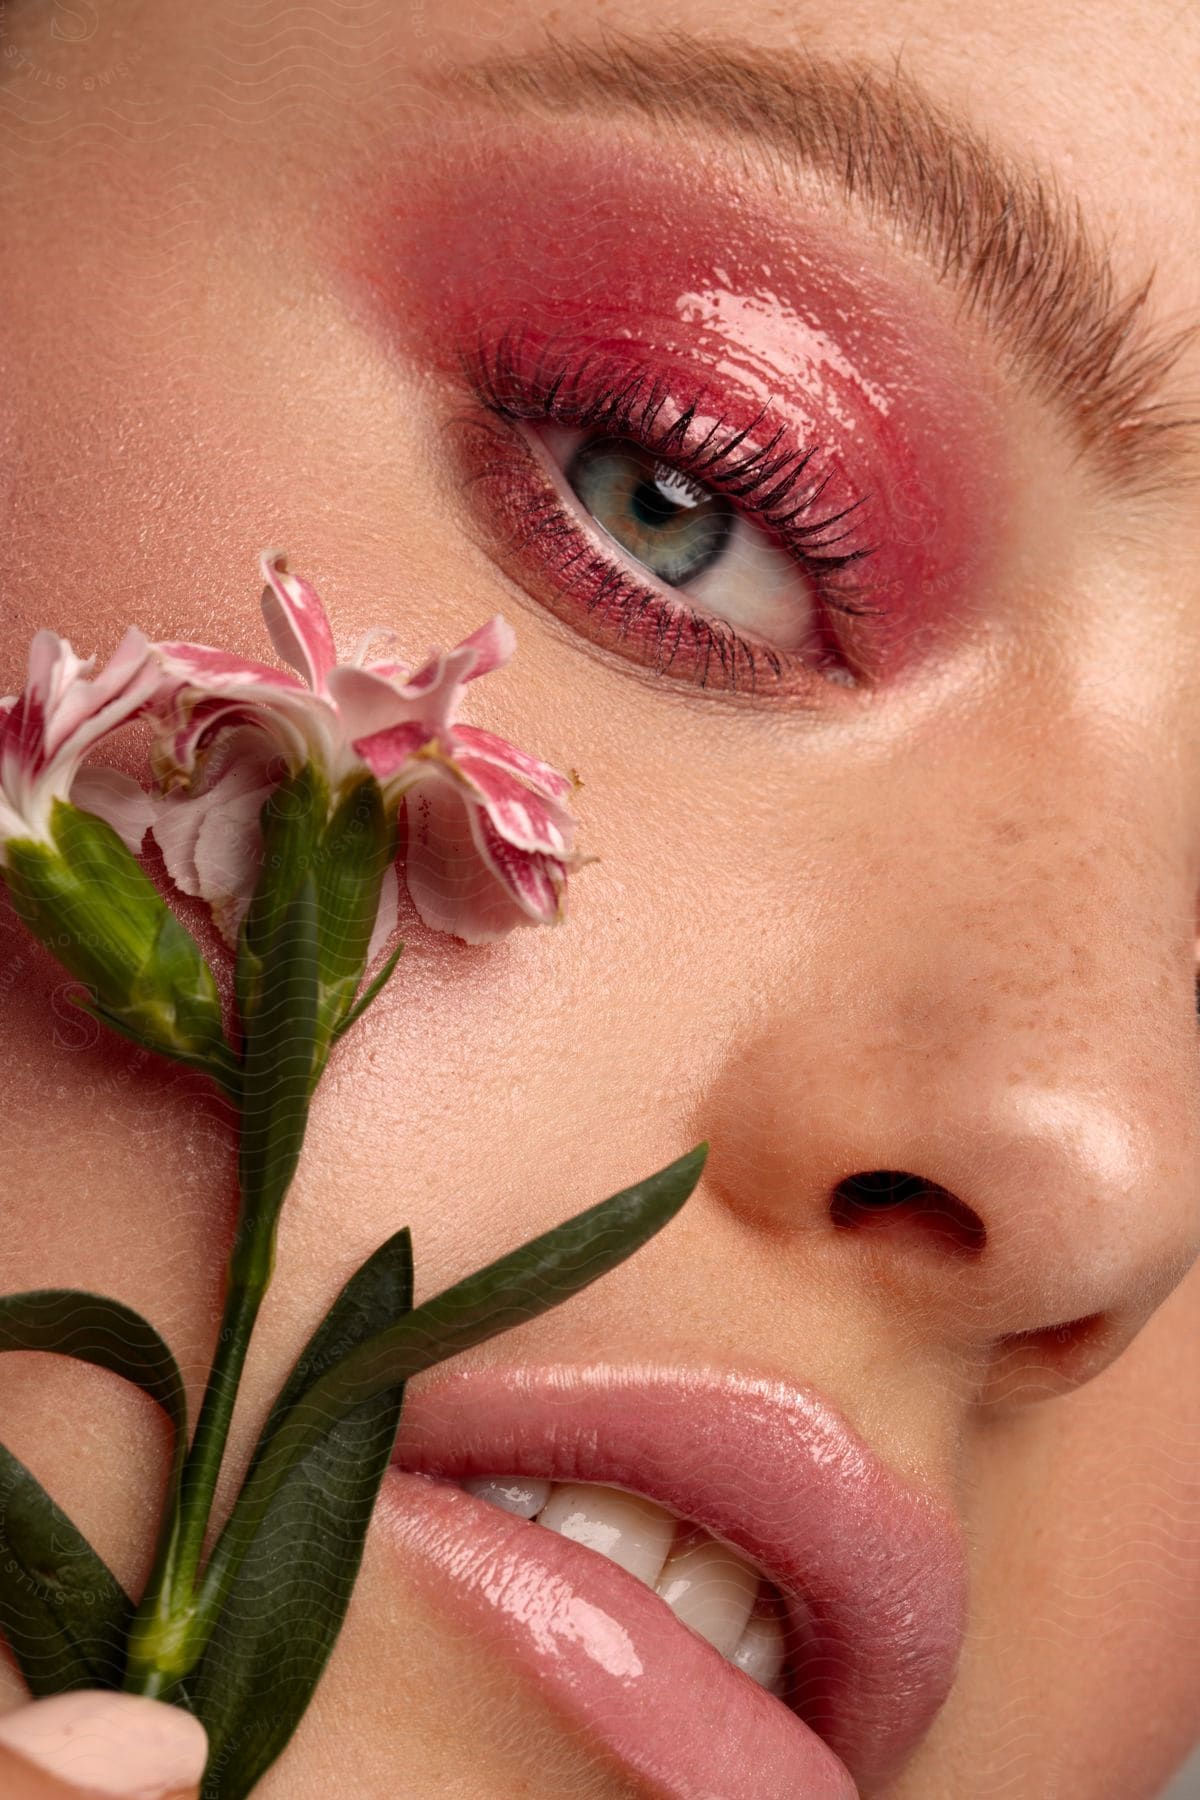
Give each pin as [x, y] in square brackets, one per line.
[596, 251]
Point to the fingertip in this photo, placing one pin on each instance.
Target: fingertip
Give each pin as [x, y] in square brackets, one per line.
[110, 1744]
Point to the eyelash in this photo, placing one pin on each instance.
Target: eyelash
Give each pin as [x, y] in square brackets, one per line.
[515, 379]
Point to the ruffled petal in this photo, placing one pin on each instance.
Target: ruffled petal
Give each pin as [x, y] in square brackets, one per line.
[23, 735]
[296, 620]
[212, 842]
[228, 856]
[524, 819]
[437, 687]
[379, 634]
[386, 752]
[87, 711]
[219, 672]
[494, 644]
[535, 883]
[368, 703]
[386, 914]
[53, 670]
[489, 748]
[205, 693]
[117, 799]
[48, 728]
[452, 887]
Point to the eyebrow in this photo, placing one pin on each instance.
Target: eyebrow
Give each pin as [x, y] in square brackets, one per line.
[1021, 253]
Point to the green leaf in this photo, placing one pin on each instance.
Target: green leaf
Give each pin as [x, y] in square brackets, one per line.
[530, 1280]
[94, 1329]
[278, 1061]
[62, 1610]
[285, 1608]
[371, 992]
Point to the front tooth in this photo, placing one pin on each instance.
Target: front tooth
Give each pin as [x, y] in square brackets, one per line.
[511, 1493]
[760, 1650]
[710, 1587]
[627, 1528]
[706, 1584]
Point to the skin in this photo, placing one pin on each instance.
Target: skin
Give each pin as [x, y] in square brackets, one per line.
[967, 949]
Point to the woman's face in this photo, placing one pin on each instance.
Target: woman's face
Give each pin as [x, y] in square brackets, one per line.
[467, 311]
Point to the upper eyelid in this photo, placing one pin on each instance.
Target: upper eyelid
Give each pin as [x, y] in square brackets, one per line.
[493, 372]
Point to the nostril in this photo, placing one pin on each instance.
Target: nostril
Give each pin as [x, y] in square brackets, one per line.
[1041, 1364]
[885, 1199]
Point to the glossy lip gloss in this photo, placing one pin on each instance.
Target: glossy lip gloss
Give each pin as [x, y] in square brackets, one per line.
[596, 246]
[606, 1652]
[876, 1569]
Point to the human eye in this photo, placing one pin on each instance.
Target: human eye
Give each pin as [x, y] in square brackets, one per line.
[710, 548]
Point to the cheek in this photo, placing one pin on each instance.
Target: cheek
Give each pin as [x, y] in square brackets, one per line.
[1085, 1517]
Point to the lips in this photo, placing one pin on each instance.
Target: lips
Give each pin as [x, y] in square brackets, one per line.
[873, 1574]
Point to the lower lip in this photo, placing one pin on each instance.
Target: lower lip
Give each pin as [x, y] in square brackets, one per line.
[606, 1651]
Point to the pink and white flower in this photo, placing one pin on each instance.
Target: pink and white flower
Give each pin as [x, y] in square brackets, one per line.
[50, 726]
[489, 834]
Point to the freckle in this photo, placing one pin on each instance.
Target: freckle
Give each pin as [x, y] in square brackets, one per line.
[1083, 960]
[1009, 832]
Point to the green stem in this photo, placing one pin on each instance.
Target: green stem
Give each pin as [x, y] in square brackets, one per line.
[161, 1648]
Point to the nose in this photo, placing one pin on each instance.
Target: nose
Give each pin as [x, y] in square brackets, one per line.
[972, 1082]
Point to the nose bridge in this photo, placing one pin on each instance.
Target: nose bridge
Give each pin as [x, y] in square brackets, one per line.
[1020, 1033]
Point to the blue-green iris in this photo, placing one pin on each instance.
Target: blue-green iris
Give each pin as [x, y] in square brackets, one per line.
[659, 515]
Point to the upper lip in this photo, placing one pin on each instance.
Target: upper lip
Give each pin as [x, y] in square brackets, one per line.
[772, 1469]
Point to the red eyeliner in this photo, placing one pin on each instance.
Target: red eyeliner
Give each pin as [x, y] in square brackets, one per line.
[779, 317]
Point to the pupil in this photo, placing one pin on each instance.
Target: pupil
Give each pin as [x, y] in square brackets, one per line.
[651, 506]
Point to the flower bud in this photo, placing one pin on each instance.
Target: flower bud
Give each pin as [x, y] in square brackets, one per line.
[93, 907]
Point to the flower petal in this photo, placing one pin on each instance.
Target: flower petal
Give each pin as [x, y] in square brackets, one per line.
[368, 702]
[117, 799]
[86, 711]
[219, 672]
[384, 752]
[378, 634]
[296, 620]
[490, 748]
[494, 643]
[228, 856]
[536, 883]
[52, 669]
[438, 684]
[527, 820]
[48, 728]
[387, 912]
[205, 693]
[452, 888]
[212, 842]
